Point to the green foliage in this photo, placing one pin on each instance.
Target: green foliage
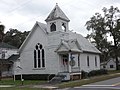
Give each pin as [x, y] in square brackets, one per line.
[102, 26]
[2, 28]
[97, 72]
[93, 73]
[18, 82]
[22, 88]
[84, 74]
[15, 37]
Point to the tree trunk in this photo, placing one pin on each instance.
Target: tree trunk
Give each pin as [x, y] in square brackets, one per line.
[116, 57]
[116, 53]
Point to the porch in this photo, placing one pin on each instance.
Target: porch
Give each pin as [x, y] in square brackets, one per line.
[69, 58]
[70, 65]
[5, 68]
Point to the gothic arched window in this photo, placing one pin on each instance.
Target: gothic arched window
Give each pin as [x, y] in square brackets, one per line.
[53, 27]
[39, 56]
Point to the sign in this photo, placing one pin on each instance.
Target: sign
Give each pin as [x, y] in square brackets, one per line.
[72, 63]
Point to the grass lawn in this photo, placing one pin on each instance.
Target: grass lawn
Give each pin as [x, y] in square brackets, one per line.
[113, 71]
[23, 88]
[18, 82]
[27, 84]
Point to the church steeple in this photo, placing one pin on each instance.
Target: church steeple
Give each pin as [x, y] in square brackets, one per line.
[57, 20]
[57, 13]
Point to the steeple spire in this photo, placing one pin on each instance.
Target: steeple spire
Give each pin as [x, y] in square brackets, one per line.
[57, 13]
[57, 21]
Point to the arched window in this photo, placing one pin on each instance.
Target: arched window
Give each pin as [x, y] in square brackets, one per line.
[53, 27]
[64, 27]
[39, 56]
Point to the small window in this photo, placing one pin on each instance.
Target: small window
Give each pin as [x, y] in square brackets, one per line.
[39, 62]
[78, 60]
[111, 66]
[95, 61]
[88, 63]
[53, 27]
[43, 58]
[35, 59]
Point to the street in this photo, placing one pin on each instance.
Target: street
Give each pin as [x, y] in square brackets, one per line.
[111, 84]
[92, 88]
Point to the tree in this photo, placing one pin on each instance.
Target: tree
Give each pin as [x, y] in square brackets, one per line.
[103, 25]
[15, 37]
[2, 28]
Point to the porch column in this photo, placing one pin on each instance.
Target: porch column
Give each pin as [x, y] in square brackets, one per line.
[69, 62]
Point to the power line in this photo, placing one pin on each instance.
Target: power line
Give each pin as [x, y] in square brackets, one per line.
[38, 15]
[23, 4]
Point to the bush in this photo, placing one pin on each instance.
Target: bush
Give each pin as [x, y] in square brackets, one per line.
[97, 72]
[84, 74]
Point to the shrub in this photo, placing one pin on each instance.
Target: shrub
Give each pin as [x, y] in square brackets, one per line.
[97, 72]
[84, 74]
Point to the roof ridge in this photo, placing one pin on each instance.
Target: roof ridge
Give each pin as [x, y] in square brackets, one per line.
[57, 13]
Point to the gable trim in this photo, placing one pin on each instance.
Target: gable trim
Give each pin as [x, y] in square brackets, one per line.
[29, 35]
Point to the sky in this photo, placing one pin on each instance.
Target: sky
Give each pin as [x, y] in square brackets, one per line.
[22, 14]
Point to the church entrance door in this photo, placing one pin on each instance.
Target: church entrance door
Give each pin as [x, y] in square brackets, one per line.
[65, 63]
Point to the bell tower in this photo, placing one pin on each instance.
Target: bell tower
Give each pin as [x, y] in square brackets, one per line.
[57, 21]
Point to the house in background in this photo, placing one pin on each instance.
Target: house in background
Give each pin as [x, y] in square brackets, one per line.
[110, 64]
[6, 63]
[52, 49]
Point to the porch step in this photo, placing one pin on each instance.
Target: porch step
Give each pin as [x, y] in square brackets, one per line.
[57, 79]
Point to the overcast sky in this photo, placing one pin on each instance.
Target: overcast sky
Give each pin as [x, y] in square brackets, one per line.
[22, 14]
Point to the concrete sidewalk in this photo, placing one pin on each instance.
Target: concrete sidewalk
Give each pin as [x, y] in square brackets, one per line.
[45, 86]
[7, 86]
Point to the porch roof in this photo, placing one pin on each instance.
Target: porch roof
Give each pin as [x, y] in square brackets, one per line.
[69, 46]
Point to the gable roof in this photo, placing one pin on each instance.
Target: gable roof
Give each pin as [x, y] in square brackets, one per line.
[84, 44]
[5, 45]
[43, 28]
[57, 13]
[14, 57]
[68, 45]
[111, 59]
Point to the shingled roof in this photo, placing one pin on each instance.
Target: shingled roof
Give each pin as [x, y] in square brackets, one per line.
[14, 57]
[57, 13]
[84, 44]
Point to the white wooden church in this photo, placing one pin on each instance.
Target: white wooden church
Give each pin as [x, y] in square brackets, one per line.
[52, 48]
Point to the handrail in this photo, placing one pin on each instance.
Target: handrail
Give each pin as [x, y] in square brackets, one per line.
[49, 77]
